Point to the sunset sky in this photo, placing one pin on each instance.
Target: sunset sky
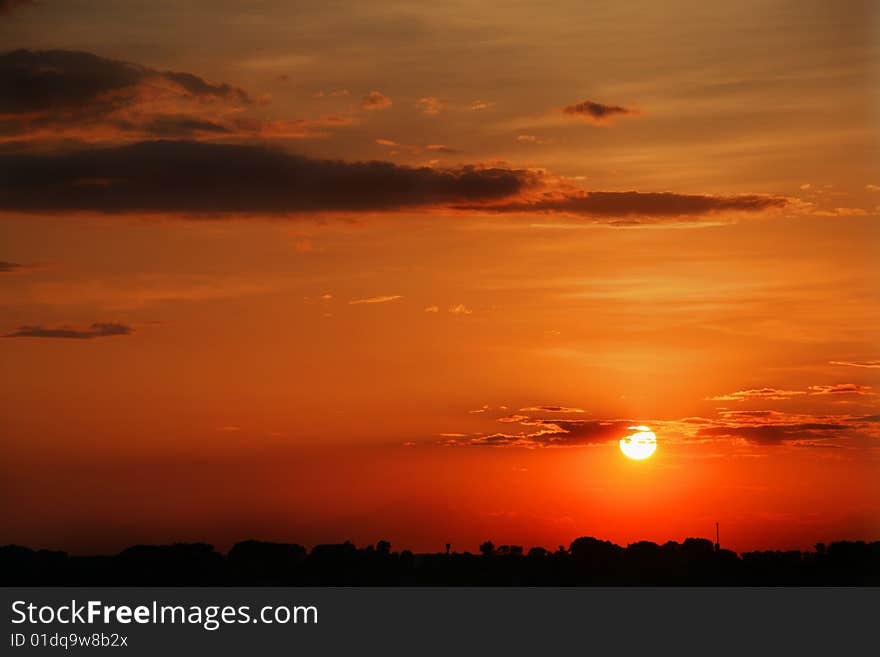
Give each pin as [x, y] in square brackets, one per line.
[316, 271]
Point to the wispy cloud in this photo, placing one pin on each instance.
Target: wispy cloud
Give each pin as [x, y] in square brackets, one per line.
[375, 100]
[778, 394]
[775, 394]
[870, 364]
[382, 299]
[429, 106]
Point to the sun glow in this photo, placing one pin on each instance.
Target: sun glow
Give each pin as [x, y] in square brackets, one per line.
[639, 445]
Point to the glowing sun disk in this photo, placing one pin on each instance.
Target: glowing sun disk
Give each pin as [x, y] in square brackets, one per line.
[639, 445]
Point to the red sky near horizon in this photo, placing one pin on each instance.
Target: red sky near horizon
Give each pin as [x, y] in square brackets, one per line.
[313, 272]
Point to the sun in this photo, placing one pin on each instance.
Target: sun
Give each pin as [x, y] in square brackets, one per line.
[639, 445]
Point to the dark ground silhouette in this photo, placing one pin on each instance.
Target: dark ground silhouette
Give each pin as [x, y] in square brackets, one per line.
[587, 561]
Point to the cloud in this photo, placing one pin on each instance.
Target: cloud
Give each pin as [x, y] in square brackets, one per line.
[871, 364]
[429, 106]
[198, 177]
[744, 427]
[775, 394]
[97, 330]
[530, 139]
[872, 188]
[375, 101]
[600, 113]
[432, 309]
[551, 433]
[383, 299]
[333, 93]
[841, 389]
[440, 148]
[460, 309]
[774, 434]
[547, 432]
[7, 6]
[770, 427]
[61, 94]
[8, 267]
[70, 93]
[645, 205]
[478, 105]
[551, 409]
[414, 149]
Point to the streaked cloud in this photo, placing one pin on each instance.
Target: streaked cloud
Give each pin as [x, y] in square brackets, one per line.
[381, 299]
[870, 364]
[205, 178]
[549, 433]
[775, 394]
[778, 394]
[840, 389]
[551, 409]
[9, 267]
[97, 330]
[636, 207]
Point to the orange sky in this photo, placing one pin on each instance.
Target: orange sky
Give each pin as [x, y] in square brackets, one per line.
[325, 271]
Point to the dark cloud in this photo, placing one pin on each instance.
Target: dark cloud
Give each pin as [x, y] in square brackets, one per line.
[7, 6]
[551, 409]
[641, 204]
[775, 434]
[97, 330]
[177, 127]
[67, 81]
[596, 112]
[6, 267]
[186, 176]
[581, 432]
[551, 433]
[58, 90]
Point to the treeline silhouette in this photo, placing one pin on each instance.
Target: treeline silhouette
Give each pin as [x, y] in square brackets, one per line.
[587, 561]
